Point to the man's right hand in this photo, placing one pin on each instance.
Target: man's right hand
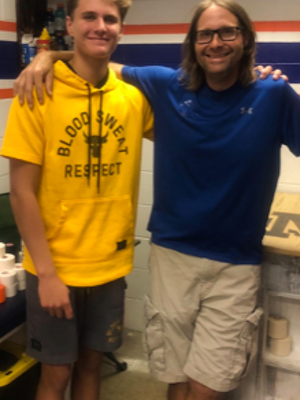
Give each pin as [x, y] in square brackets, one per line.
[54, 297]
[35, 74]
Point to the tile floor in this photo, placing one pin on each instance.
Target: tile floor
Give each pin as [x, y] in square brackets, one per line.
[135, 383]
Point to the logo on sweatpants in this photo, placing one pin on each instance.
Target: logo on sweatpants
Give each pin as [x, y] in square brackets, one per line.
[36, 345]
[114, 332]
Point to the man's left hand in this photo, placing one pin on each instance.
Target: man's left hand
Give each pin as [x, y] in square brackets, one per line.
[266, 71]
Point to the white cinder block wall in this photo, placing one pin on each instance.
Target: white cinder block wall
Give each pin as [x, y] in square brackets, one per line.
[138, 280]
[7, 37]
[148, 12]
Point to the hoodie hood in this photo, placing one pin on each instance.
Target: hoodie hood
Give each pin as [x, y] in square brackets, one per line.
[67, 76]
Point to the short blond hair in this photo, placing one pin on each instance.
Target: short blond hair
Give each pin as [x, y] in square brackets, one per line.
[123, 6]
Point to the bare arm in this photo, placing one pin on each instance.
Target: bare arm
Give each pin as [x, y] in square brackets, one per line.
[24, 180]
[117, 68]
[40, 70]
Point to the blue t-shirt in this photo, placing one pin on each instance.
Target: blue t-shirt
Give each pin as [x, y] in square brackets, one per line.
[216, 161]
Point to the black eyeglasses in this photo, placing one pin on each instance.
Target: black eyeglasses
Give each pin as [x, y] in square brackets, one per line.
[226, 34]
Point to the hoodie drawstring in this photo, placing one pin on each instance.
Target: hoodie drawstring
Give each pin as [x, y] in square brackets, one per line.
[90, 137]
[90, 134]
[100, 141]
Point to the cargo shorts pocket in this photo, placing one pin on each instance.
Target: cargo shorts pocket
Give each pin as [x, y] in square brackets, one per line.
[154, 337]
[247, 346]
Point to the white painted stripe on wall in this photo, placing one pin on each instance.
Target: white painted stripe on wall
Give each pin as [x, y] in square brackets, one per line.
[282, 37]
[152, 39]
[8, 36]
[6, 83]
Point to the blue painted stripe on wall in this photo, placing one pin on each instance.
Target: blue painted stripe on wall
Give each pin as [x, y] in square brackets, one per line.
[288, 53]
[285, 56]
[9, 64]
[167, 55]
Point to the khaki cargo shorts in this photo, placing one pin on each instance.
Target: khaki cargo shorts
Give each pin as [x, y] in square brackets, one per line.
[201, 319]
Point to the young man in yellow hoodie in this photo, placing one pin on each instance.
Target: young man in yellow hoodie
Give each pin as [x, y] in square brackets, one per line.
[74, 165]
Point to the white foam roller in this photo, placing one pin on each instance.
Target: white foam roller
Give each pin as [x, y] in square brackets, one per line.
[11, 291]
[281, 347]
[21, 285]
[7, 262]
[20, 271]
[2, 250]
[277, 327]
[8, 277]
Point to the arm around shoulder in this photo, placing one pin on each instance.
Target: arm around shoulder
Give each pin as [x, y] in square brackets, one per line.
[38, 73]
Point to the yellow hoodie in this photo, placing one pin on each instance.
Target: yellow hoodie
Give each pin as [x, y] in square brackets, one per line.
[88, 142]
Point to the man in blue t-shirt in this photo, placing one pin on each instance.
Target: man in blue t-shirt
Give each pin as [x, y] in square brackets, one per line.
[218, 133]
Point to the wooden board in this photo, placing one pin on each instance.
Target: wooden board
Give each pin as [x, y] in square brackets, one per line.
[283, 226]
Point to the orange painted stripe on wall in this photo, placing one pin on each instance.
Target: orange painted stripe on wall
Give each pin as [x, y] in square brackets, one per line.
[260, 26]
[277, 26]
[8, 26]
[6, 93]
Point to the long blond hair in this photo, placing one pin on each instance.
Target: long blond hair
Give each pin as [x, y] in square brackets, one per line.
[193, 75]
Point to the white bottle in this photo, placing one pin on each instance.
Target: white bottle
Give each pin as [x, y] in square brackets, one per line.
[28, 48]
[26, 39]
[32, 49]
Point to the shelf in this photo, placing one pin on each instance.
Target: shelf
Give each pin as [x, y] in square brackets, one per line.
[286, 295]
[290, 363]
[12, 332]
[273, 398]
[23, 364]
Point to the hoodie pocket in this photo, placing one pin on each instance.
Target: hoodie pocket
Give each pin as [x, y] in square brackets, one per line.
[93, 229]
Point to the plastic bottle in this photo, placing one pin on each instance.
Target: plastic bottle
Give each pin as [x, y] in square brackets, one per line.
[43, 42]
[28, 48]
[32, 49]
[60, 42]
[50, 22]
[60, 19]
[45, 35]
